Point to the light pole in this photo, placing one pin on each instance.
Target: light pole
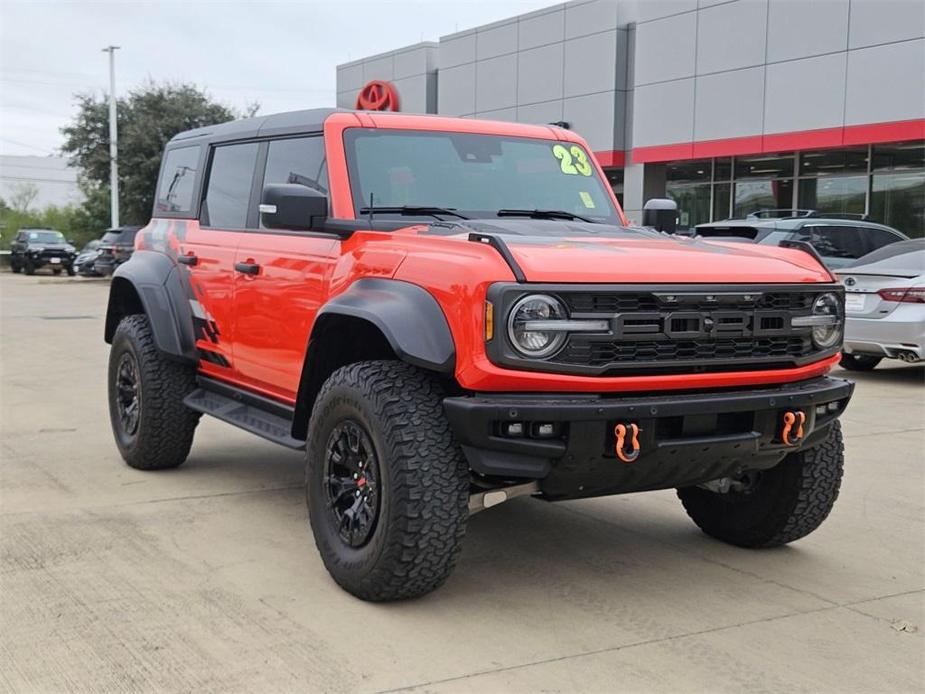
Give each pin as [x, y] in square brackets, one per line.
[113, 140]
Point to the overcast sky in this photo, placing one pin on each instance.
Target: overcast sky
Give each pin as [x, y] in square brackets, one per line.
[280, 54]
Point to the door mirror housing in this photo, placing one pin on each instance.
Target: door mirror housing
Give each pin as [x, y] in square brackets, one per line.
[293, 206]
[661, 214]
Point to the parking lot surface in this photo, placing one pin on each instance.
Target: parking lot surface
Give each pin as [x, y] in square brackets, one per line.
[205, 578]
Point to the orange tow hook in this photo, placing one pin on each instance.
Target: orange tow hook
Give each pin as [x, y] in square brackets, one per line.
[624, 453]
[789, 436]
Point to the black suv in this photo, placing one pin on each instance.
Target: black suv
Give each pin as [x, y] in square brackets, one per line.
[116, 246]
[839, 239]
[35, 248]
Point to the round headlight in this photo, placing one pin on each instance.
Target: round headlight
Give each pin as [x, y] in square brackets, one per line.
[827, 334]
[530, 341]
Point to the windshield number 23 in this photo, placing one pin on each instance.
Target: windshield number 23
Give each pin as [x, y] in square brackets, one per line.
[572, 160]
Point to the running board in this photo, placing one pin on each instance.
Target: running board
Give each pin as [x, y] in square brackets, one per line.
[250, 415]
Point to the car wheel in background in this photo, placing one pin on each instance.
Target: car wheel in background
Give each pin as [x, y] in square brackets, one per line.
[387, 486]
[152, 427]
[16, 268]
[29, 268]
[70, 271]
[859, 362]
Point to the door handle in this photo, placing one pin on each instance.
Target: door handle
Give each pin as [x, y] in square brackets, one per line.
[247, 268]
[190, 259]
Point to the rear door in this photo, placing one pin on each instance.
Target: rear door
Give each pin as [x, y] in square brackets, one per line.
[282, 277]
[209, 249]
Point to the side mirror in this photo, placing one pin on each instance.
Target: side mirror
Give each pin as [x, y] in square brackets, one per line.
[661, 214]
[292, 206]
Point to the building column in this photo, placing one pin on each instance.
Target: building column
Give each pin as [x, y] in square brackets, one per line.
[641, 182]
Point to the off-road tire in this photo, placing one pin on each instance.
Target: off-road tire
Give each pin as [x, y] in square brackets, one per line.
[165, 427]
[15, 267]
[424, 481]
[859, 362]
[788, 502]
[29, 268]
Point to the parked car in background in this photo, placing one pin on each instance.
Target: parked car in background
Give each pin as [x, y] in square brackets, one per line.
[115, 248]
[32, 249]
[885, 306]
[839, 239]
[85, 262]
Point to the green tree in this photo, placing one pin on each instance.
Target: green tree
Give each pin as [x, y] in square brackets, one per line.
[147, 118]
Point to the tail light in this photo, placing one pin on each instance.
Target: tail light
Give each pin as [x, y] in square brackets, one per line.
[906, 295]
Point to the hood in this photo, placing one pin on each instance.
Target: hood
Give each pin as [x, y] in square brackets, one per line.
[579, 252]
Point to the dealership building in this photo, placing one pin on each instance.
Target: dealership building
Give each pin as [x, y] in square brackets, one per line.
[727, 106]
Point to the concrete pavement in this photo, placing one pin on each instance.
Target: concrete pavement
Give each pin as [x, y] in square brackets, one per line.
[205, 578]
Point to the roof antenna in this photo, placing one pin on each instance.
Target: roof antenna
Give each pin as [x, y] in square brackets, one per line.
[369, 211]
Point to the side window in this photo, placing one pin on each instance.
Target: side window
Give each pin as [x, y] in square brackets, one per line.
[297, 160]
[878, 238]
[228, 191]
[837, 241]
[178, 176]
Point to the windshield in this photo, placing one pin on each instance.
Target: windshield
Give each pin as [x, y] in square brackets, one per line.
[124, 236]
[472, 174]
[46, 237]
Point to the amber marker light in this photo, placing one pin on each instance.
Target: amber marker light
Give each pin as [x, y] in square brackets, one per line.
[489, 321]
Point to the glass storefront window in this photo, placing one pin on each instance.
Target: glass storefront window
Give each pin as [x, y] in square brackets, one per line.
[615, 179]
[721, 200]
[693, 203]
[752, 196]
[898, 200]
[765, 166]
[842, 194]
[902, 155]
[722, 169]
[827, 163]
[689, 171]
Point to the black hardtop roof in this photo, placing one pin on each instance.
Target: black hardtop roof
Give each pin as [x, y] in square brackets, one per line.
[292, 122]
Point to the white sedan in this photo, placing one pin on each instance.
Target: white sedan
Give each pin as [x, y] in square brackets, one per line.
[885, 306]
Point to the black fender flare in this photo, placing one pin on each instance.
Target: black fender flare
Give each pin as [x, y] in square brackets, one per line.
[164, 297]
[407, 315]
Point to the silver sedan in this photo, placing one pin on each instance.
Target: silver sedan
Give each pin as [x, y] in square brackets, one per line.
[885, 306]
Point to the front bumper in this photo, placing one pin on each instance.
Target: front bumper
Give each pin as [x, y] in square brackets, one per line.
[684, 439]
[901, 331]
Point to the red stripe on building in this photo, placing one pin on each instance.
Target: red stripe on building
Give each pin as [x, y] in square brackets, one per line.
[873, 133]
[611, 158]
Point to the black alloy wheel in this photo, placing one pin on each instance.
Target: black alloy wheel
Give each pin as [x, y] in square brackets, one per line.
[128, 395]
[351, 482]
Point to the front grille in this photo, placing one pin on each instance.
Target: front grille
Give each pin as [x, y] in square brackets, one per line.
[583, 351]
[581, 302]
[673, 329]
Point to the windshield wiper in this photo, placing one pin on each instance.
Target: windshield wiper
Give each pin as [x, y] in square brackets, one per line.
[544, 214]
[414, 210]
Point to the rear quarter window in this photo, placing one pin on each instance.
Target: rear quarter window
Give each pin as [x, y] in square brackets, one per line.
[177, 182]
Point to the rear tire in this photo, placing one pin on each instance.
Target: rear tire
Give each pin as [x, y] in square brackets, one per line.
[29, 268]
[413, 482]
[152, 427]
[15, 268]
[859, 362]
[787, 502]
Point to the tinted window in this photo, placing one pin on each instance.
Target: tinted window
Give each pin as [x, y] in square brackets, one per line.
[878, 238]
[228, 192]
[836, 241]
[300, 161]
[175, 189]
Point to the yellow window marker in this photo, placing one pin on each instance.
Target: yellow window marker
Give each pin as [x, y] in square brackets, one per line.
[587, 199]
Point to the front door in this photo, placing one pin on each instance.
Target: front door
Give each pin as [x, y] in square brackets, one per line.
[281, 279]
[208, 249]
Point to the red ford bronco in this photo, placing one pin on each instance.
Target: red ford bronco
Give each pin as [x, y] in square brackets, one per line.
[448, 313]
